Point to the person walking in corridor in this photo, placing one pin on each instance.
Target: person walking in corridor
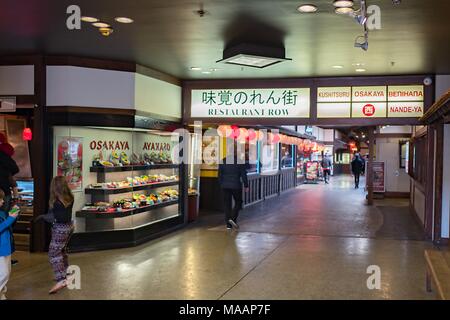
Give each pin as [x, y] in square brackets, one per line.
[231, 177]
[6, 244]
[357, 167]
[326, 167]
[61, 203]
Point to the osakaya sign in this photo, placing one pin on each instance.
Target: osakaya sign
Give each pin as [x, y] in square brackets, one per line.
[370, 102]
[251, 103]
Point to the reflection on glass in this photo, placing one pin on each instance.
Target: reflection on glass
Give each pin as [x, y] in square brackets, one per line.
[287, 156]
[269, 157]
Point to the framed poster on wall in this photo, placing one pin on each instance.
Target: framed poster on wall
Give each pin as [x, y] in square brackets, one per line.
[70, 161]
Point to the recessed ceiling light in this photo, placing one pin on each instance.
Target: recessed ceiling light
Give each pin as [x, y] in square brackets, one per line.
[307, 8]
[338, 67]
[358, 64]
[124, 20]
[344, 10]
[89, 19]
[214, 69]
[196, 68]
[252, 61]
[360, 70]
[343, 3]
[101, 25]
[206, 72]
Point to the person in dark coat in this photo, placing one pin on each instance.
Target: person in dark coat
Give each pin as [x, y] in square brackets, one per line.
[232, 174]
[326, 166]
[8, 168]
[357, 168]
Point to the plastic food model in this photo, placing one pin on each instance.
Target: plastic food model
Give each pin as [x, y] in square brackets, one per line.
[124, 159]
[135, 159]
[147, 159]
[115, 158]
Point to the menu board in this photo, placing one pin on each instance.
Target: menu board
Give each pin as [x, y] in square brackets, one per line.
[378, 176]
[312, 170]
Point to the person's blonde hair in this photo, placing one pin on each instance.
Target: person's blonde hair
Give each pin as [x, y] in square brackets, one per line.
[59, 190]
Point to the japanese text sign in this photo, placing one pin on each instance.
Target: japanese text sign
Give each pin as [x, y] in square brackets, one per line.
[251, 103]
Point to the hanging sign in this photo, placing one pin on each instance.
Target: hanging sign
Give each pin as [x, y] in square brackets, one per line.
[251, 103]
[370, 102]
[7, 104]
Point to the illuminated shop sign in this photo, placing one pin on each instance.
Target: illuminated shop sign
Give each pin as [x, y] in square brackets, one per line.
[370, 102]
[251, 103]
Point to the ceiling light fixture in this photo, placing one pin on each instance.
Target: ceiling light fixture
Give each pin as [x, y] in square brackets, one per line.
[338, 67]
[206, 72]
[360, 70]
[124, 20]
[196, 68]
[106, 31]
[101, 25]
[363, 45]
[344, 10]
[214, 69]
[343, 3]
[252, 55]
[307, 8]
[89, 19]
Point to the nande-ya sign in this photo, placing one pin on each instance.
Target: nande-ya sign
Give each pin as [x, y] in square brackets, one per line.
[250, 103]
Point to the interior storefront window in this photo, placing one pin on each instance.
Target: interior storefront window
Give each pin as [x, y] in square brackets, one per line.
[121, 178]
[270, 157]
[287, 156]
[403, 150]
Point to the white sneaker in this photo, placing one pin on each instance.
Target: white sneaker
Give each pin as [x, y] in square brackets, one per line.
[234, 224]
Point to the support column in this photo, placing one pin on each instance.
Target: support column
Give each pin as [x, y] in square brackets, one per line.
[370, 165]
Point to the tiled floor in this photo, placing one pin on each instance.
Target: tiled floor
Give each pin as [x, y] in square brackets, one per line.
[314, 242]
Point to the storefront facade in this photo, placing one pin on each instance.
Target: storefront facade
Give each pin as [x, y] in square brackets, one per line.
[107, 126]
[357, 101]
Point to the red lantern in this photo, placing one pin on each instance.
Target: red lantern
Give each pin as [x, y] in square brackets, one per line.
[274, 138]
[27, 134]
[243, 134]
[224, 131]
[252, 135]
[235, 132]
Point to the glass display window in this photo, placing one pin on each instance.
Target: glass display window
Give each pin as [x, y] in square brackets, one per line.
[121, 178]
[270, 157]
[287, 156]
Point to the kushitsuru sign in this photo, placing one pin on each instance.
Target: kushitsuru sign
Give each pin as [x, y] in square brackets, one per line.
[251, 103]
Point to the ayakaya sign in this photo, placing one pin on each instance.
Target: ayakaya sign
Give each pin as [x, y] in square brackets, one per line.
[370, 102]
[251, 103]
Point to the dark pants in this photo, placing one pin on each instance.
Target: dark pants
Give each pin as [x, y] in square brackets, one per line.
[357, 179]
[326, 173]
[230, 212]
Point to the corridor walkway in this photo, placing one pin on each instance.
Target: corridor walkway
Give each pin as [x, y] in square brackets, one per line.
[313, 242]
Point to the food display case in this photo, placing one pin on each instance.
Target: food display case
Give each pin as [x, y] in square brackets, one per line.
[125, 182]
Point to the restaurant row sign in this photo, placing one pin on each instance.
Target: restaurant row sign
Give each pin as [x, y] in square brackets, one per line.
[332, 102]
[370, 102]
[251, 103]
